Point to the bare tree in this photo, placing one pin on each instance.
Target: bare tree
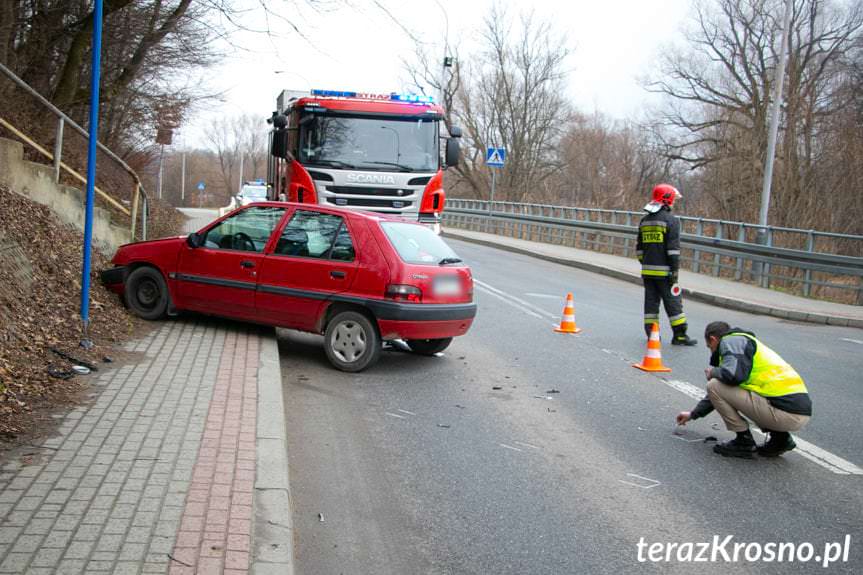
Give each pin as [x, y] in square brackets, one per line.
[718, 89]
[232, 139]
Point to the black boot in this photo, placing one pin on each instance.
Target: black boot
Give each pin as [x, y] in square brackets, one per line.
[741, 446]
[779, 443]
[683, 339]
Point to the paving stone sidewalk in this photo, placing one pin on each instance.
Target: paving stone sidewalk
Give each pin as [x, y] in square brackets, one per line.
[157, 474]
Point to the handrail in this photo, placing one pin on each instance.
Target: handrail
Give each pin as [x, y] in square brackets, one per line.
[140, 193]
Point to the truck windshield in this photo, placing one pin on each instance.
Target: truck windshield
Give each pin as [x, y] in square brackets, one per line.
[381, 143]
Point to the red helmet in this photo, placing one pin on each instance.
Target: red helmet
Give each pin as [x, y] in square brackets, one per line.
[663, 195]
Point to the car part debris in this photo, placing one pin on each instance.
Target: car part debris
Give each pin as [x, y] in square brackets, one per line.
[552, 390]
[80, 369]
[60, 373]
[443, 425]
[496, 387]
[321, 517]
[74, 360]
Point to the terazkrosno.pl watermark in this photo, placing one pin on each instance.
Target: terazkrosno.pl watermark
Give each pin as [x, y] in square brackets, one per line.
[727, 550]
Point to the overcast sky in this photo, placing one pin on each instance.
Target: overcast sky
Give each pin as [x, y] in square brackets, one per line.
[358, 46]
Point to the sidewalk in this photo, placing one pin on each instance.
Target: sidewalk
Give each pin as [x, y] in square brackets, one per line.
[721, 292]
[177, 464]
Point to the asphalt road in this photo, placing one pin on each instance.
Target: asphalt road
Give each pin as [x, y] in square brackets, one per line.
[421, 466]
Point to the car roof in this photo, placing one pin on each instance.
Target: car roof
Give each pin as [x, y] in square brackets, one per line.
[361, 214]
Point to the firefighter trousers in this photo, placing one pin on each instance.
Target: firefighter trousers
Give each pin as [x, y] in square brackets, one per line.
[656, 290]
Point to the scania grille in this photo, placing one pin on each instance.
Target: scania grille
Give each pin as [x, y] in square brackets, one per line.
[358, 191]
[370, 203]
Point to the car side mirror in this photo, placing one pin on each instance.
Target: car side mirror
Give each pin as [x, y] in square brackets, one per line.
[194, 240]
[452, 153]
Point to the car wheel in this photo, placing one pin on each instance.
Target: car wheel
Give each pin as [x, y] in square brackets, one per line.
[429, 346]
[146, 293]
[351, 341]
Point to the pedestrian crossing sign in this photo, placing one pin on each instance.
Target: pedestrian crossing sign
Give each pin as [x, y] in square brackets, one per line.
[495, 157]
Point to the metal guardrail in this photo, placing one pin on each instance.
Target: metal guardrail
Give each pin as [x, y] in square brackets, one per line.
[804, 261]
[139, 195]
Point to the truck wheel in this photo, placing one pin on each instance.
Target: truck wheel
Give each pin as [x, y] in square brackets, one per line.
[429, 346]
[352, 342]
[146, 293]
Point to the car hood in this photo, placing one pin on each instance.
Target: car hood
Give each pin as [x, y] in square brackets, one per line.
[148, 250]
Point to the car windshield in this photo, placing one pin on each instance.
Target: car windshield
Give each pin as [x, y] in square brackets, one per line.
[375, 143]
[417, 244]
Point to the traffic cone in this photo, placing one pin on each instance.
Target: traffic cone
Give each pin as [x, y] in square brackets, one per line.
[567, 323]
[653, 359]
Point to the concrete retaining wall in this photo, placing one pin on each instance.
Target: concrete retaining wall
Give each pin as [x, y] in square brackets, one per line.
[36, 182]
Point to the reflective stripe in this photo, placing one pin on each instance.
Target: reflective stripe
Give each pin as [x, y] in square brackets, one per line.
[652, 267]
[654, 273]
[677, 322]
[673, 252]
[653, 223]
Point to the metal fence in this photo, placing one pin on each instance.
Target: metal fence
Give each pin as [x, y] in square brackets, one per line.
[807, 262]
[137, 204]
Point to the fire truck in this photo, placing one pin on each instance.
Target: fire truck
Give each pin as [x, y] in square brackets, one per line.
[375, 152]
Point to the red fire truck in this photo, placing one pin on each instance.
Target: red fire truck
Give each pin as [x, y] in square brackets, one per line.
[376, 152]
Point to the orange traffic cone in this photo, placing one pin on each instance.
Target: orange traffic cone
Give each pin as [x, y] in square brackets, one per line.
[567, 323]
[653, 360]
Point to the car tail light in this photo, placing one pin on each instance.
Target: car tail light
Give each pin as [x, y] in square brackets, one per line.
[401, 292]
[433, 196]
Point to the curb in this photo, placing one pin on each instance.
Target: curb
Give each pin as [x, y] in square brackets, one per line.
[272, 540]
[721, 301]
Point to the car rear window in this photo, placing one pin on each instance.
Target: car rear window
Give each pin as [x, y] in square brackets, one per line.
[417, 244]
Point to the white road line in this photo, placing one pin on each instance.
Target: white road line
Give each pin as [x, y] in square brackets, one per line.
[851, 340]
[510, 447]
[515, 299]
[406, 411]
[396, 415]
[545, 295]
[505, 300]
[812, 452]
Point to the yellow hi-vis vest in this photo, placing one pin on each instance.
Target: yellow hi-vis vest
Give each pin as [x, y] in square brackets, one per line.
[771, 376]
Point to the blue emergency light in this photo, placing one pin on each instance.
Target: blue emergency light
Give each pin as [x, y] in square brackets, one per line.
[414, 98]
[334, 93]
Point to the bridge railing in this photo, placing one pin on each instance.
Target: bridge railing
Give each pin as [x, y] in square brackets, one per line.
[126, 198]
[807, 262]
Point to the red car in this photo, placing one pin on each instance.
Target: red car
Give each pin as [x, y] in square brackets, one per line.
[358, 278]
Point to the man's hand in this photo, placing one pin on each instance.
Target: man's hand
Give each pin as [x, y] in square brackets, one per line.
[707, 373]
[683, 417]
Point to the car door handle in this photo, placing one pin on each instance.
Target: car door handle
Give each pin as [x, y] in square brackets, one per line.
[337, 275]
[247, 264]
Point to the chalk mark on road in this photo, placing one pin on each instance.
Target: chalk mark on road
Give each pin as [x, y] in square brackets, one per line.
[851, 340]
[526, 445]
[406, 411]
[510, 447]
[653, 482]
[396, 415]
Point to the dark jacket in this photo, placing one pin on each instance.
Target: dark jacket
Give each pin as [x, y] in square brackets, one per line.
[737, 353]
[658, 246]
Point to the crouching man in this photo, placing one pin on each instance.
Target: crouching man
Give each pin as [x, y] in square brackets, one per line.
[748, 378]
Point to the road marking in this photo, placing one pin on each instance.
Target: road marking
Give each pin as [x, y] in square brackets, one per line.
[517, 302]
[396, 415]
[406, 411]
[526, 444]
[851, 340]
[510, 447]
[810, 451]
[653, 482]
[545, 295]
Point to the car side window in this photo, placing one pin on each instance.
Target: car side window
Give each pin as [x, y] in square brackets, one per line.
[315, 235]
[247, 231]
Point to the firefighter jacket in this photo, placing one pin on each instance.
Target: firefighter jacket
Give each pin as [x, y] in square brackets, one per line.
[658, 246]
[741, 359]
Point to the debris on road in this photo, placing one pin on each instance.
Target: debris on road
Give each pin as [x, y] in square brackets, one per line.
[709, 438]
[496, 387]
[443, 425]
[552, 390]
[321, 517]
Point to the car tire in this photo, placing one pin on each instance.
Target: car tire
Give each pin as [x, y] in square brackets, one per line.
[146, 293]
[352, 342]
[429, 346]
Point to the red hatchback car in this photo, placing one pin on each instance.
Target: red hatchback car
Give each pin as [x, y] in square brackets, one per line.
[359, 278]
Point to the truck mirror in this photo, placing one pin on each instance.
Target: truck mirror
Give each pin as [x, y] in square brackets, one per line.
[455, 132]
[280, 143]
[452, 153]
[280, 121]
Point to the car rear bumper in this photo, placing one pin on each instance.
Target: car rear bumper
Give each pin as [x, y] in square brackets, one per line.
[114, 278]
[391, 329]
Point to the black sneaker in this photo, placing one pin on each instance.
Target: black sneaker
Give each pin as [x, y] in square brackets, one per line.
[683, 340]
[779, 443]
[737, 447]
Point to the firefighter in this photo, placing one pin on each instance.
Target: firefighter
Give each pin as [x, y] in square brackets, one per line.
[658, 250]
[747, 377]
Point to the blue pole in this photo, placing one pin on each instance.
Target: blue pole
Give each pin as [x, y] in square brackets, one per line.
[91, 170]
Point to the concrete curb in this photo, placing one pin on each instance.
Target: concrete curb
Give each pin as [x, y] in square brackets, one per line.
[721, 301]
[273, 536]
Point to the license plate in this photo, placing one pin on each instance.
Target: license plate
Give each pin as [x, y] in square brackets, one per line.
[447, 285]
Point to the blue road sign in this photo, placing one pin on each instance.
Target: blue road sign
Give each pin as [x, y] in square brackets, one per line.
[201, 185]
[495, 157]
